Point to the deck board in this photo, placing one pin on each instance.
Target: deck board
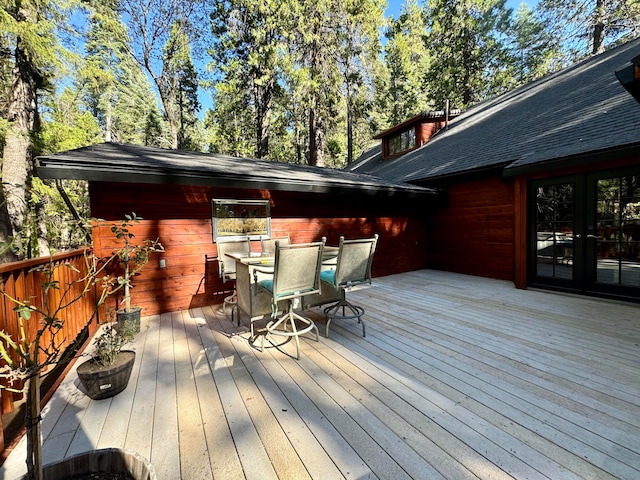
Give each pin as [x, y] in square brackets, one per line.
[458, 377]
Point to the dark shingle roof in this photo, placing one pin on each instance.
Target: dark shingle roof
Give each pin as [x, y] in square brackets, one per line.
[571, 113]
[116, 162]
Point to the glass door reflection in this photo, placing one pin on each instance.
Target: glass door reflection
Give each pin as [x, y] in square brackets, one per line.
[555, 211]
[618, 231]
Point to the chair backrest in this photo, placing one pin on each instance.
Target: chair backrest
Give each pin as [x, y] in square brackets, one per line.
[354, 261]
[269, 244]
[226, 264]
[296, 270]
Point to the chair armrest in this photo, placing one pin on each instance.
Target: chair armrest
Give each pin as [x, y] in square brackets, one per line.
[257, 270]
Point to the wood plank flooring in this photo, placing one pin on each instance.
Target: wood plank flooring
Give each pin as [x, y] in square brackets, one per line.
[458, 378]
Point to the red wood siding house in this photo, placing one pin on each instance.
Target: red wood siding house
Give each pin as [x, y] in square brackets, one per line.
[515, 188]
[540, 185]
[173, 190]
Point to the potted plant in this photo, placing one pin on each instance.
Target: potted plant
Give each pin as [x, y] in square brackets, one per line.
[132, 258]
[36, 348]
[108, 370]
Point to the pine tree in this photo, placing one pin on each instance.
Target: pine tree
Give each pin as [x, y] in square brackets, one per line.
[247, 38]
[470, 58]
[358, 52]
[587, 26]
[29, 28]
[181, 83]
[150, 23]
[109, 75]
[407, 59]
[534, 49]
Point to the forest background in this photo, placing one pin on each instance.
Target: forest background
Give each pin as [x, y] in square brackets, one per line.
[299, 81]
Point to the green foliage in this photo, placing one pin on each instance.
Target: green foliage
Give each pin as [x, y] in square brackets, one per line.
[132, 257]
[472, 60]
[181, 83]
[65, 126]
[112, 340]
[152, 26]
[534, 50]
[112, 85]
[407, 60]
[584, 28]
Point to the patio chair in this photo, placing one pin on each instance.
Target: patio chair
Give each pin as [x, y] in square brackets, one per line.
[296, 273]
[269, 244]
[353, 268]
[227, 267]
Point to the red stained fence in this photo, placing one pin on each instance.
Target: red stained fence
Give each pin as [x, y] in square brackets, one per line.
[23, 280]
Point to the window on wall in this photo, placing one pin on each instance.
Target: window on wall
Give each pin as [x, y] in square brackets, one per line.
[235, 219]
[402, 141]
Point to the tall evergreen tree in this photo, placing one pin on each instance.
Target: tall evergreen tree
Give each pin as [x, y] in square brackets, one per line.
[116, 91]
[314, 48]
[535, 51]
[588, 26]
[181, 83]
[406, 92]
[247, 39]
[150, 23]
[466, 38]
[358, 51]
[29, 31]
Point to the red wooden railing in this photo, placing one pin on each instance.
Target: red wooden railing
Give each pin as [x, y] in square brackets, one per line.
[22, 280]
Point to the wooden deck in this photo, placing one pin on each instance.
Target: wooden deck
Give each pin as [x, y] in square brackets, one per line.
[458, 378]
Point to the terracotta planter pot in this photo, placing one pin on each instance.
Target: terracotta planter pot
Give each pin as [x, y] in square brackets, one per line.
[104, 382]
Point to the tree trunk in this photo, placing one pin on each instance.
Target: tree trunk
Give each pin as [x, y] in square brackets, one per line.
[34, 430]
[41, 229]
[349, 131]
[6, 253]
[313, 146]
[16, 165]
[598, 29]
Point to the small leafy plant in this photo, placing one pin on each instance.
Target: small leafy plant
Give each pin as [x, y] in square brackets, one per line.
[111, 341]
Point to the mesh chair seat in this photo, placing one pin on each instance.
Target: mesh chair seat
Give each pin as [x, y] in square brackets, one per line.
[353, 267]
[268, 245]
[296, 273]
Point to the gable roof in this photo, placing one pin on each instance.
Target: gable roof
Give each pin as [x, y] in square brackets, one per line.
[580, 111]
[114, 162]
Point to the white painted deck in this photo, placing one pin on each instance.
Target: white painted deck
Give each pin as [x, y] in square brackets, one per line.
[458, 378]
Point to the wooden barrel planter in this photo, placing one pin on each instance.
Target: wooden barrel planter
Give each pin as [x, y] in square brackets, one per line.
[111, 462]
[106, 381]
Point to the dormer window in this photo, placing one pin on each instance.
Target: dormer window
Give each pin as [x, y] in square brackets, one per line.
[413, 133]
[402, 141]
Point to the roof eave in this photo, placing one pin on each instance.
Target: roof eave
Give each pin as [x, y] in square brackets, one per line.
[78, 172]
[611, 153]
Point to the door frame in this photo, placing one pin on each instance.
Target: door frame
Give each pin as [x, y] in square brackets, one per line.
[585, 258]
[577, 282]
[591, 284]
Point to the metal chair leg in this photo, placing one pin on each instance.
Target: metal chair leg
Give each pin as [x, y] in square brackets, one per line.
[332, 311]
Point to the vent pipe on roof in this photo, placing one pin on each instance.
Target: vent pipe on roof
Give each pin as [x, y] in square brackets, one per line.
[446, 114]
